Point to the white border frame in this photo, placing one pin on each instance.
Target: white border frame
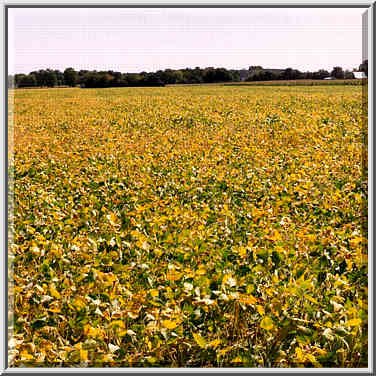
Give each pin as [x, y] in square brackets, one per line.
[368, 6]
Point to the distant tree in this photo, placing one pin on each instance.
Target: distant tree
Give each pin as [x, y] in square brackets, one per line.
[222, 75]
[198, 75]
[143, 75]
[70, 77]
[337, 72]
[235, 75]
[17, 79]
[117, 77]
[209, 75]
[291, 74]
[59, 77]
[288, 74]
[298, 74]
[268, 76]
[32, 79]
[348, 74]
[50, 77]
[104, 79]
[26, 80]
[133, 78]
[167, 76]
[152, 79]
[308, 75]
[40, 77]
[81, 76]
[88, 79]
[264, 75]
[190, 76]
[212, 75]
[46, 77]
[364, 67]
[179, 76]
[320, 74]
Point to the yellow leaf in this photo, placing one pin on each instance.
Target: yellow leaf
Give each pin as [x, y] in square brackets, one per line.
[54, 293]
[354, 322]
[276, 236]
[83, 355]
[118, 323]
[54, 309]
[96, 333]
[260, 310]
[108, 358]
[299, 355]
[355, 241]
[112, 218]
[169, 324]
[154, 292]
[215, 343]
[201, 270]
[86, 329]
[200, 340]
[173, 275]
[313, 360]
[228, 279]
[238, 359]
[79, 303]
[318, 350]
[158, 252]
[279, 249]
[30, 230]
[311, 299]
[26, 356]
[242, 251]
[248, 299]
[267, 323]
[225, 350]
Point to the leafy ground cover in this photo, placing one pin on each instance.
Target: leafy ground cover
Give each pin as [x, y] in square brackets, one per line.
[192, 226]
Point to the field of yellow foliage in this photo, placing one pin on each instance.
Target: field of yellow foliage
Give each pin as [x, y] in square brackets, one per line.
[202, 226]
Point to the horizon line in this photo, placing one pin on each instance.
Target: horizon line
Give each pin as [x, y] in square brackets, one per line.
[177, 69]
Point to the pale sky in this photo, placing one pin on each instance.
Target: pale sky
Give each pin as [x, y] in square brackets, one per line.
[135, 40]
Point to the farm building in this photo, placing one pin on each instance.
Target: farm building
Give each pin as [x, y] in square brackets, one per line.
[359, 75]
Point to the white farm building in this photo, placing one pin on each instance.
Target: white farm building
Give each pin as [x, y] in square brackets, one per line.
[359, 75]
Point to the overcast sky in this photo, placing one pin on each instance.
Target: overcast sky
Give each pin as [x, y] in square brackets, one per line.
[135, 40]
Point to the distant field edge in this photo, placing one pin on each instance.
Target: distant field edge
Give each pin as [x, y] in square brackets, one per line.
[300, 83]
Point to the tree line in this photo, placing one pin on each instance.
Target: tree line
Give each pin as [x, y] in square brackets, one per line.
[101, 79]
[259, 74]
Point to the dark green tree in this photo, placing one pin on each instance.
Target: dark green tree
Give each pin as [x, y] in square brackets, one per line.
[51, 79]
[348, 74]
[28, 80]
[364, 67]
[337, 72]
[70, 77]
[320, 74]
